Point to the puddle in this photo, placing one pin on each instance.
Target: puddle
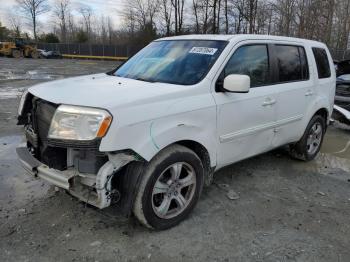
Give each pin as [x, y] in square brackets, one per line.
[325, 162]
[8, 74]
[10, 92]
[334, 157]
[8, 146]
[337, 142]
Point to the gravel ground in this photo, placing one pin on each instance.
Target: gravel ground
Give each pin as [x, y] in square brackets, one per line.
[287, 210]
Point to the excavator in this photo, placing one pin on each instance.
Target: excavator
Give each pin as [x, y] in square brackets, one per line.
[19, 47]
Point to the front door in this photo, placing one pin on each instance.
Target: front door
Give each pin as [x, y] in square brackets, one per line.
[245, 121]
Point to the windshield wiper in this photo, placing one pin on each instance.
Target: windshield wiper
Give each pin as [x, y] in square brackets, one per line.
[144, 79]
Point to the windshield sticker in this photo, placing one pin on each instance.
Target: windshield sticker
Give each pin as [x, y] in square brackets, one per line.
[203, 50]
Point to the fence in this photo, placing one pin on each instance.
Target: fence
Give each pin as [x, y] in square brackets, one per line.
[92, 49]
[338, 54]
[124, 51]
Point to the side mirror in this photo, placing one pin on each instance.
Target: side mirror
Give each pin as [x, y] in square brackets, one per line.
[237, 83]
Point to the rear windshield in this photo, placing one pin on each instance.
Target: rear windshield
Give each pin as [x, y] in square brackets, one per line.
[183, 62]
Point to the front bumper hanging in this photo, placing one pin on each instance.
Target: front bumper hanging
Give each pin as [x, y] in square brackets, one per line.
[66, 179]
[36, 168]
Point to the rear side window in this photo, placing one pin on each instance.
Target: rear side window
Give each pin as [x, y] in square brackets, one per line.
[322, 63]
[251, 60]
[291, 63]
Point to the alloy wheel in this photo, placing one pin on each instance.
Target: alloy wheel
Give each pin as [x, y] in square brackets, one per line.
[173, 190]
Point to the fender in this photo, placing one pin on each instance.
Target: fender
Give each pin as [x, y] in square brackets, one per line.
[321, 102]
[196, 126]
[148, 138]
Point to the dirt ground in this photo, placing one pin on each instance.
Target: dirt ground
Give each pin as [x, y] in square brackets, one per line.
[287, 210]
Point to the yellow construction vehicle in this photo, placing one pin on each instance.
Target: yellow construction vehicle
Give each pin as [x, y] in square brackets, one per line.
[18, 48]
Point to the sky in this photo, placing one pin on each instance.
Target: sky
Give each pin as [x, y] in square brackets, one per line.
[110, 8]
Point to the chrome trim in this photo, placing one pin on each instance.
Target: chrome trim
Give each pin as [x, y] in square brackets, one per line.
[256, 129]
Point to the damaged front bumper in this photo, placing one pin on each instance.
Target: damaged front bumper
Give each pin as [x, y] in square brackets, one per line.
[90, 188]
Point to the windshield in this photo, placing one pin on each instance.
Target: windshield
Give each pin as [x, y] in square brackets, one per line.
[183, 62]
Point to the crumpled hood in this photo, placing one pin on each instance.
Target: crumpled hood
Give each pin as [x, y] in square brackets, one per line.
[102, 90]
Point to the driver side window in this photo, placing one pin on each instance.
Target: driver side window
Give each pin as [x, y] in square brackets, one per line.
[251, 60]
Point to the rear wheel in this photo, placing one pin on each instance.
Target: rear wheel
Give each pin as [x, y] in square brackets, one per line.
[170, 188]
[310, 144]
[34, 54]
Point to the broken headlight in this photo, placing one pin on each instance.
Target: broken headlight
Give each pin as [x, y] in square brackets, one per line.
[21, 102]
[79, 123]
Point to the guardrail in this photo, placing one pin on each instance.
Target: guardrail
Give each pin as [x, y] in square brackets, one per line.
[117, 58]
[92, 50]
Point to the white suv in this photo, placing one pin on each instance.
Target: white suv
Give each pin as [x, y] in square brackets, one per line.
[148, 135]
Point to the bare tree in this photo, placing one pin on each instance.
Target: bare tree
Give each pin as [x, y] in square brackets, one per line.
[179, 15]
[15, 21]
[32, 9]
[129, 21]
[86, 13]
[109, 30]
[226, 7]
[201, 11]
[61, 11]
[144, 20]
[71, 28]
[166, 15]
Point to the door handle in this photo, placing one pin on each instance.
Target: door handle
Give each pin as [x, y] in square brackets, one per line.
[269, 102]
[309, 93]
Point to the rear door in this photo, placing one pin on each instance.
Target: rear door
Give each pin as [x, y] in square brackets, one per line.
[294, 89]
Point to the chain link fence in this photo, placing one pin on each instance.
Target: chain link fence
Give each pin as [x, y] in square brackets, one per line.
[339, 54]
[91, 49]
[129, 50]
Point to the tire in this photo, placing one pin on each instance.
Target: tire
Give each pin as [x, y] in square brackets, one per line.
[34, 55]
[304, 149]
[161, 207]
[16, 53]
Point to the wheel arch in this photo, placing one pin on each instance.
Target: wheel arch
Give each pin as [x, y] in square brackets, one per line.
[319, 106]
[204, 156]
[201, 151]
[323, 112]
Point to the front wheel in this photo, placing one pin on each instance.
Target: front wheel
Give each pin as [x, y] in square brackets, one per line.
[16, 53]
[170, 188]
[310, 144]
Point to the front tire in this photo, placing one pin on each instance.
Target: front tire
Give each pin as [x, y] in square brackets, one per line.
[309, 145]
[170, 188]
[16, 53]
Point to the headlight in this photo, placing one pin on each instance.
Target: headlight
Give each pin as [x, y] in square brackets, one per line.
[79, 123]
[21, 102]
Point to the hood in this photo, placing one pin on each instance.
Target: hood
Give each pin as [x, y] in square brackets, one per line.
[103, 91]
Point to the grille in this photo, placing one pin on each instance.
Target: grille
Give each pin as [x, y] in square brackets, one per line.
[42, 114]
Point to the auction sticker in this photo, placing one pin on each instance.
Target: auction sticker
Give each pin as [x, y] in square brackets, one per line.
[203, 50]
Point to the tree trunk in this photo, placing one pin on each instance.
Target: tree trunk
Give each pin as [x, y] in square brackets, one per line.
[226, 17]
[213, 30]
